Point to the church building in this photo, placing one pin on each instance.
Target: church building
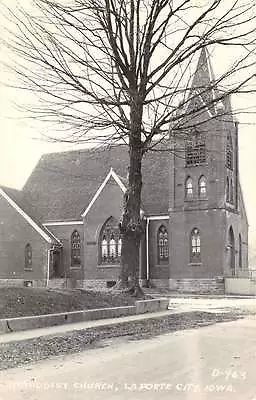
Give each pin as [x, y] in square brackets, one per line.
[61, 229]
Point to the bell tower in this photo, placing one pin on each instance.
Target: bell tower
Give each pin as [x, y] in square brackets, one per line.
[205, 190]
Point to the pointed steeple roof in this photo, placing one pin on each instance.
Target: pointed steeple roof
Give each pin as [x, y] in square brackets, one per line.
[204, 75]
[201, 89]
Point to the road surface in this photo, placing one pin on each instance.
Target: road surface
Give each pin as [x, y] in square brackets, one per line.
[215, 362]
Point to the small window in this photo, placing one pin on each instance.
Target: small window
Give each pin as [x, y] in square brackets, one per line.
[227, 190]
[75, 249]
[240, 252]
[162, 244]
[189, 188]
[202, 186]
[28, 257]
[195, 246]
[229, 152]
[110, 243]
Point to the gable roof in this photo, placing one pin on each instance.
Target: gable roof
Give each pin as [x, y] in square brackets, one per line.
[63, 184]
[111, 174]
[16, 200]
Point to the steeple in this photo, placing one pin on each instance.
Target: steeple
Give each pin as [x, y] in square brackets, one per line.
[204, 75]
[201, 92]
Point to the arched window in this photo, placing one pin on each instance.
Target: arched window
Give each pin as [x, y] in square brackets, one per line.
[119, 247]
[202, 186]
[229, 152]
[104, 248]
[231, 251]
[189, 188]
[75, 249]
[240, 252]
[195, 149]
[112, 247]
[227, 189]
[231, 195]
[28, 257]
[162, 244]
[110, 243]
[195, 246]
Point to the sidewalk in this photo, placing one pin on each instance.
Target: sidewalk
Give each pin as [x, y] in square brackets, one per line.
[62, 329]
[176, 306]
[176, 295]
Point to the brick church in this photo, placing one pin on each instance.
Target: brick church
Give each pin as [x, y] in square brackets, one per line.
[62, 228]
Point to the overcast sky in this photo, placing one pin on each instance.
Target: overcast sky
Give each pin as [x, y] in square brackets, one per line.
[21, 148]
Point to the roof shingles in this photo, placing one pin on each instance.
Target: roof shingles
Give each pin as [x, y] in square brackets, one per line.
[63, 184]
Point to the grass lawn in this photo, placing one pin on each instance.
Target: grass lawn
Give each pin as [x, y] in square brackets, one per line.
[21, 301]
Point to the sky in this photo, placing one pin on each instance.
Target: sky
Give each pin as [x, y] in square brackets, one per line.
[21, 145]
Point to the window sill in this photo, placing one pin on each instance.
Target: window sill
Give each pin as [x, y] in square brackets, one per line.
[28, 269]
[108, 266]
[195, 264]
[163, 264]
[202, 164]
[196, 199]
[75, 267]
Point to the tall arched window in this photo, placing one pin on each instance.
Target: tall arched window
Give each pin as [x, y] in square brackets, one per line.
[119, 247]
[231, 195]
[231, 251]
[189, 188]
[195, 246]
[229, 152]
[75, 249]
[227, 189]
[162, 244]
[202, 186]
[28, 257]
[110, 243]
[240, 252]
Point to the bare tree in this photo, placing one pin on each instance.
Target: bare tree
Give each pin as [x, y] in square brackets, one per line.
[119, 71]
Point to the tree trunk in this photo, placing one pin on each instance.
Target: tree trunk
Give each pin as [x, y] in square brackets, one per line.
[132, 226]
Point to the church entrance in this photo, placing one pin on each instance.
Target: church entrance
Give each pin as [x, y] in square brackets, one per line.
[231, 251]
[57, 268]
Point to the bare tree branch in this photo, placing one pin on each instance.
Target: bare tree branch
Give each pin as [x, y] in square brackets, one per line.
[120, 71]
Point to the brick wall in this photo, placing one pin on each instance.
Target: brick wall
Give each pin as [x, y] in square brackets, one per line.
[158, 271]
[63, 233]
[212, 215]
[108, 204]
[211, 225]
[15, 233]
[213, 170]
[239, 226]
[92, 274]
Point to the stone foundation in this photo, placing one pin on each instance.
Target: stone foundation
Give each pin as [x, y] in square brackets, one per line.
[23, 282]
[11, 282]
[160, 283]
[199, 286]
[92, 284]
[100, 284]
